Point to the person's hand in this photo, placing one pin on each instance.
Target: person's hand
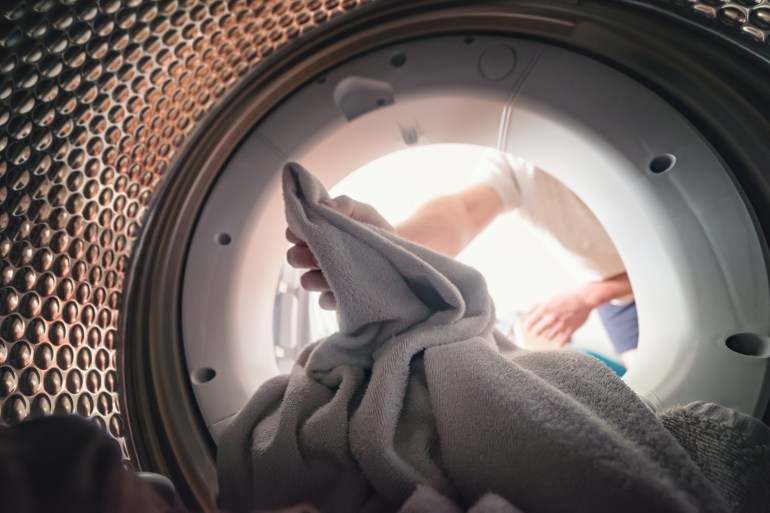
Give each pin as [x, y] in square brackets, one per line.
[559, 317]
[299, 255]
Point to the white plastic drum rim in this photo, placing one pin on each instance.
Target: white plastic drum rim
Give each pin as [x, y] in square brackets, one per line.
[696, 261]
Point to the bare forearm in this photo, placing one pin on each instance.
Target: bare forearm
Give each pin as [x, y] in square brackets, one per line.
[432, 226]
[600, 292]
[448, 223]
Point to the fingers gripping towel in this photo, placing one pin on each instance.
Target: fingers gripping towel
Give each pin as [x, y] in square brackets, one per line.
[412, 403]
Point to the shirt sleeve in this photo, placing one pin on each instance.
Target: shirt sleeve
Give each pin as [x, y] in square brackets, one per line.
[497, 170]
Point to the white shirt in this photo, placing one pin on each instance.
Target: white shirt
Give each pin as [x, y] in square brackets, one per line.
[566, 225]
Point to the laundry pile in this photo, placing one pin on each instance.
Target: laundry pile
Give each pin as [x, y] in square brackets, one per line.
[417, 406]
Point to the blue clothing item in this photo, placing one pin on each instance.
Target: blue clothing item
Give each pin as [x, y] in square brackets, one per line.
[616, 367]
[621, 324]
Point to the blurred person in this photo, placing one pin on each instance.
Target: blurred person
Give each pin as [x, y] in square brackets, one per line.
[502, 183]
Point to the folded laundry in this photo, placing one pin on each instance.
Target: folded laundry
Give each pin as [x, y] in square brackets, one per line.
[413, 407]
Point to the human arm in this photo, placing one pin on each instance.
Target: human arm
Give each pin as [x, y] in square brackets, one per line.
[560, 316]
[447, 224]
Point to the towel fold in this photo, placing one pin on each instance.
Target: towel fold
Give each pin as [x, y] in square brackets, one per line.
[412, 402]
[426, 500]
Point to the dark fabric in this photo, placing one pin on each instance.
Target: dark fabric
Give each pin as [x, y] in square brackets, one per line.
[731, 448]
[68, 465]
[622, 325]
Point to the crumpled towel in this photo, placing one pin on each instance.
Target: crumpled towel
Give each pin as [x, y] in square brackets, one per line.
[412, 392]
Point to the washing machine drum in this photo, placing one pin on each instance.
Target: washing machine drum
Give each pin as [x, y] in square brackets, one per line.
[141, 141]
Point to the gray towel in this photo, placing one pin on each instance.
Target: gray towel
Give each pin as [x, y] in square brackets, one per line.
[426, 500]
[413, 392]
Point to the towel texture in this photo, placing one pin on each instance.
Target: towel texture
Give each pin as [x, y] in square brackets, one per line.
[731, 448]
[412, 405]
